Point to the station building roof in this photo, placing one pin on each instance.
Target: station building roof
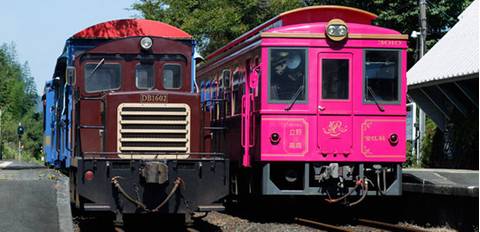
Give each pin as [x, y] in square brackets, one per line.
[444, 82]
[454, 56]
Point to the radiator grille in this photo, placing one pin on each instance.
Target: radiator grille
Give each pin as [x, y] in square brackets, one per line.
[154, 130]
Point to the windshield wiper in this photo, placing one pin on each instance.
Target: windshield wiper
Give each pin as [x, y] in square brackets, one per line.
[370, 90]
[297, 94]
[96, 67]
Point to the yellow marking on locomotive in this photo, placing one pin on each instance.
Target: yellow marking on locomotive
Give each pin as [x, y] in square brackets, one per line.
[153, 98]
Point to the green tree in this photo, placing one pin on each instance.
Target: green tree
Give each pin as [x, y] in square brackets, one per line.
[18, 98]
[216, 22]
[213, 23]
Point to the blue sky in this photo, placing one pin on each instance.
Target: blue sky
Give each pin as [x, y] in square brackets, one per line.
[39, 28]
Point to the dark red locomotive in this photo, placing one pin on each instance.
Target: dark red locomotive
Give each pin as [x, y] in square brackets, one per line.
[121, 117]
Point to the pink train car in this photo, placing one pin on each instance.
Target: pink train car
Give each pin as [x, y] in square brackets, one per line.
[311, 102]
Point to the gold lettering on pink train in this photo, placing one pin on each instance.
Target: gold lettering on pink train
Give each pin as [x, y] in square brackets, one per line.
[389, 42]
[295, 132]
[335, 128]
[374, 138]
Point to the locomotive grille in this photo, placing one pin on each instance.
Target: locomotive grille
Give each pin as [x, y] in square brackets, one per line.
[154, 130]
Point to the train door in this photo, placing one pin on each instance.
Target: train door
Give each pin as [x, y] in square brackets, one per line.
[335, 104]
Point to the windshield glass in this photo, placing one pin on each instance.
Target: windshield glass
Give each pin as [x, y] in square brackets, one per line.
[172, 78]
[144, 78]
[335, 79]
[381, 76]
[105, 77]
[287, 74]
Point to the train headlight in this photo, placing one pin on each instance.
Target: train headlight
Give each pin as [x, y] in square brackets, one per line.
[146, 43]
[393, 139]
[275, 138]
[336, 30]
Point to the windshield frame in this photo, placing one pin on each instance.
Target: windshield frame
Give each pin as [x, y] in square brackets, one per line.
[399, 78]
[305, 77]
[107, 62]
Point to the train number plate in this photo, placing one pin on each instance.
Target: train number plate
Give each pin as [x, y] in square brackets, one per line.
[153, 98]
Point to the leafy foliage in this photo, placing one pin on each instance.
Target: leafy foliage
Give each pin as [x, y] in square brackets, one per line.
[215, 22]
[18, 98]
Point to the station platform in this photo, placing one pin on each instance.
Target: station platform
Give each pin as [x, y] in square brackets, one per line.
[454, 182]
[33, 198]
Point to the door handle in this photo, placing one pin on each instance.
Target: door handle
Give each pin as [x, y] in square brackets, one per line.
[321, 108]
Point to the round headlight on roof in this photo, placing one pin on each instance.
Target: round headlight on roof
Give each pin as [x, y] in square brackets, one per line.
[336, 30]
[342, 30]
[146, 43]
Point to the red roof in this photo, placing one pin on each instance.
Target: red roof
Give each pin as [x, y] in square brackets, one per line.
[123, 28]
[310, 14]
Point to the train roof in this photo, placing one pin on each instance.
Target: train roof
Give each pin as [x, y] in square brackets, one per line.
[124, 28]
[118, 29]
[310, 14]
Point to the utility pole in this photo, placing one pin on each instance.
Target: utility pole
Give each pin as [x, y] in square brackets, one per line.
[422, 39]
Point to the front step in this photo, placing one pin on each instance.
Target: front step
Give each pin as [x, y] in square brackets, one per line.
[208, 208]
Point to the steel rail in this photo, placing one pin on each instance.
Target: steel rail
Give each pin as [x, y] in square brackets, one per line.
[323, 226]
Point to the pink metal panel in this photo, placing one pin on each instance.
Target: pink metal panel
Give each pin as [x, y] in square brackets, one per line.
[372, 136]
[319, 28]
[334, 133]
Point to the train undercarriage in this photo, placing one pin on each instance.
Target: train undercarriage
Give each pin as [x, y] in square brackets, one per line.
[335, 182]
[132, 186]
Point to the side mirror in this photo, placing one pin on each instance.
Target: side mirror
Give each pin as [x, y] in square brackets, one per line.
[198, 58]
[70, 75]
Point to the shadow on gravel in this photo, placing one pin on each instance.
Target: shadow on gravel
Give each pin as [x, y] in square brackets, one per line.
[426, 210]
[89, 222]
[285, 209]
[460, 213]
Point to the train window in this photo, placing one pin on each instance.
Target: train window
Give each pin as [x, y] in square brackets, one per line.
[381, 76]
[101, 77]
[144, 78]
[202, 91]
[208, 95]
[238, 80]
[335, 79]
[226, 79]
[172, 78]
[288, 75]
[214, 98]
[227, 92]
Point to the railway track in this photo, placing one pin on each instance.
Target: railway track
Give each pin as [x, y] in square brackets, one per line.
[360, 225]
